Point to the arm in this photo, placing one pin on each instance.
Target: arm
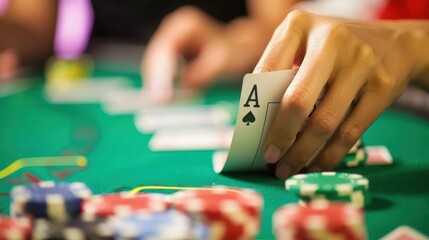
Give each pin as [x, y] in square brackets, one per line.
[27, 29]
[365, 66]
[210, 47]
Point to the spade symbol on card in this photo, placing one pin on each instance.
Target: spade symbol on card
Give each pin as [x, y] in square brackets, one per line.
[249, 118]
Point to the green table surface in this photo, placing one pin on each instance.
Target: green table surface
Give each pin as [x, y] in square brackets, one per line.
[119, 159]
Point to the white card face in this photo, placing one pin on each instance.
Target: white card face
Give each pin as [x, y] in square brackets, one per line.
[84, 91]
[378, 155]
[405, 233]
[182, 117]
[129, 101]
[15, 86]
[259, 102]
[191, 139]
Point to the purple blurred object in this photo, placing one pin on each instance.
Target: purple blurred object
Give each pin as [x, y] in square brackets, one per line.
[3, 6]
[74, 25]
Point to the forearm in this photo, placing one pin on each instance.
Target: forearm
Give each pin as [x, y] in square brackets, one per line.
[30, 45]
[251, 34]
[28, 28]
[417, 33]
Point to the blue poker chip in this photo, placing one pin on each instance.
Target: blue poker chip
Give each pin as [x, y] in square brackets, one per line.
[55, 201]
[83, 227]
[172, 225]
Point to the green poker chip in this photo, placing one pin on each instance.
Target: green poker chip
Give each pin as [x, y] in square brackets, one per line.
[359, 199]
[355, 159]
[330, 184]
[358, 145]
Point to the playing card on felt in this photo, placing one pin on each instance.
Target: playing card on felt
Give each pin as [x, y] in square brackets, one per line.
[260, 99]
[170, 117]
[128, 101]
[191, 139]
[404, 233]
[90, 90]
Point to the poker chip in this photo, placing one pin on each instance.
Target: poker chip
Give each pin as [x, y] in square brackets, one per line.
[331, 186]
[11, 229]
[80, 228]
[356, 157]
[169, 225]
[319, 220]
[229, 213]
[55, 201]
[123, 203]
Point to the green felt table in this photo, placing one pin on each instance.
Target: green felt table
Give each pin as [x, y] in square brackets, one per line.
[119, 159]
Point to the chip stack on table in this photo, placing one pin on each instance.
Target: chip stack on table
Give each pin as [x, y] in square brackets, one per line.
[230, 213]
[56, 201]
[119, 204]
[332, 186]
[166, 225]
[79, 228]
[319, 220]
[69, 211]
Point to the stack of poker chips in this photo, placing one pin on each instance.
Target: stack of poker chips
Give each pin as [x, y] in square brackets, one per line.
[319, 220]
[70, 211]
[229, 213]
[332, 186]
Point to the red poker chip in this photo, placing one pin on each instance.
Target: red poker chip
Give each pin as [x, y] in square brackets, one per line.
[14, 228]
[320, 218]
[123, 203]
[230, 213]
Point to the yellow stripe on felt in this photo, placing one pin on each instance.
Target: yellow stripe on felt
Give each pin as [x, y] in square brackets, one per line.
[138, 189]
[80, 161]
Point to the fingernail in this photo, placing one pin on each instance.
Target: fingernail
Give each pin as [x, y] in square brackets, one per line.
[315, 168]
[283, 171]
[272, 154]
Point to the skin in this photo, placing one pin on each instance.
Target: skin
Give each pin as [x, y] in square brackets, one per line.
[210, 48]
[364, 65]
[28, 31]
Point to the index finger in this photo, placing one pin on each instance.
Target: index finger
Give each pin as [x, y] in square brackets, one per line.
[180, 33]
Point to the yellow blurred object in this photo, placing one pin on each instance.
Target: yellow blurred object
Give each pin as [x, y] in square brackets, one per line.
[62, 74]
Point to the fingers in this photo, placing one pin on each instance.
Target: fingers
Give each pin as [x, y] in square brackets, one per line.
[285, 44]
[374, 100]
[297, 103]
[9, 63]
[159, 67]
[325, 120]
[203, 68]
[181, 33]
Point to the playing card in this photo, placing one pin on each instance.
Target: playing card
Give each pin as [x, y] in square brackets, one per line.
[169, 117]
[260, 98]
[404, 233]
[378, 155]
[15, 86]
[129, 101]
[191, 139]
[85, 90]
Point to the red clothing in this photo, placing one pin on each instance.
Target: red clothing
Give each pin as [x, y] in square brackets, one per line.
[405, 9]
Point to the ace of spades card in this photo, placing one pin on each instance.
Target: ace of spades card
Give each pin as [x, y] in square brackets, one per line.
[261, 94]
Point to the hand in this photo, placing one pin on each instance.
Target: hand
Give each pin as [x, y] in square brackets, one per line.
[209, 47]
[365, 67]
[9, 64]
